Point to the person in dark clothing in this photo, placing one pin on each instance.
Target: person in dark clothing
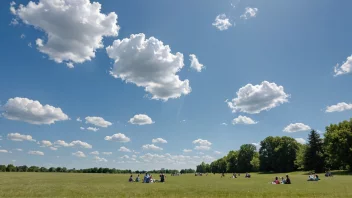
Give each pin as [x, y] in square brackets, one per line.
[288, 180]
[162, 178]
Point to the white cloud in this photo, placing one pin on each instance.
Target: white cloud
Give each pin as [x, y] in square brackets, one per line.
[23, 36]
[150, 64]
[141, 119]
[339, 107]
[125, 157]
[107, 153]
[249, 13]
[291, 128]
[256, 98]
[3, 151]
[18, 149]
[92, 129]
[70, 65]
[243, 120]
[98, 121]
[78, 119]
[82, 128]
[46, 143]
[159, 140]
[73, 144]
[35, 153]
[74, 29]
[222, 22]
[100, 159]
[202, 142]
[217, 152]
[224, 124]
[301, 140]
[79, 154]
[151, 147]
[14, 22]
[19, 137]
[202, 148]
[95, 153]
[32, 112]
[195, 63]
[187, 150]
[118, 137]
[124, 149]
[345, 68]
[12, 8]
[53, 148]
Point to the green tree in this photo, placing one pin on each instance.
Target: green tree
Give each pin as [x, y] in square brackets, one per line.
[338, 144]
[232, 161]
[299, 162]
[10, 168]
[245, 157]
[255, 162]
[314, 157]
[2, 168]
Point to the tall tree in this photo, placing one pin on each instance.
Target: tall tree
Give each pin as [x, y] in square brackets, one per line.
[299, 162]
[232, 161]
[245, 157]
[314, 158]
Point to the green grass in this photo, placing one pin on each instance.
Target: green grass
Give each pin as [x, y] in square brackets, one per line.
[106, 185]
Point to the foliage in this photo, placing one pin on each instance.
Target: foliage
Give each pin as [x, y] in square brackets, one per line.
[314, 157]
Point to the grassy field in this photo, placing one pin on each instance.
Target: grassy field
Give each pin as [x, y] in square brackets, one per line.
[106, 185]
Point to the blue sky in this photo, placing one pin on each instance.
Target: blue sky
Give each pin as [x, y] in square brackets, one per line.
[281, 53]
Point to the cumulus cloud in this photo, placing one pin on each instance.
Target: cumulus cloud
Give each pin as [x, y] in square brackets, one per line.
[339, 107]
[141, 119]
[3, 151]
[345, 68]
[159, 140]
[35, 153]
[74, 28]
[92, 129]
[151, 147]
[249, 13]
[79, 154]
[195, 63]
[301, 140]
[46, 143]
[94, 153]
[53, 148]
[118, 137]
[256, 98]
[98, 121]
[222, 22]
[124, 149]
[202, 148]
[100, 159]
[19, 137]
[291, 128]
[78, 143]
[243, 120]
[32, 112]
[202, 142]
[107, 153]
[150, 64]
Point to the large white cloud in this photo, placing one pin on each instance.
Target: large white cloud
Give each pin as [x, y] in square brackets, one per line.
[124, 149]
[19, 137]
[222, 22]
[150, 64]
[195, 64]
[159, 140]
[202, 142]
[249, 13]
[74, 28]
[301, 140]
[256, 98]
[296, 127]
[98, 121]
[151, 147]
[339, 107]
[35, 153]
[32, 112]
[79, 154]
[118, 137]
[141, 119]
[243, 120]
[78, 143]
[345, 68]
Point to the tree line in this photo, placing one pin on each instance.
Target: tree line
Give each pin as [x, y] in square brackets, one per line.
[333, 151]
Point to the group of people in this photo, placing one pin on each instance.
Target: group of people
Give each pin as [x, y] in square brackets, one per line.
[283, 180]
[313, 177]
[328, 174]
[148, 178]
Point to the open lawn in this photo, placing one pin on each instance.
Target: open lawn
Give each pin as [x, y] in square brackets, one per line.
[108, 185]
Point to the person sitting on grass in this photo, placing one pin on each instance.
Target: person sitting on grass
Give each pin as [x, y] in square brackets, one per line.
[276, 181]
[145, 180]
[137, 178]
[234, 175]
[247, 175]
[288, 180]
[130, 179]
[283, 181]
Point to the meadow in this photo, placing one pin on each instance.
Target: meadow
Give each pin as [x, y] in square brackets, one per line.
[116, 185]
